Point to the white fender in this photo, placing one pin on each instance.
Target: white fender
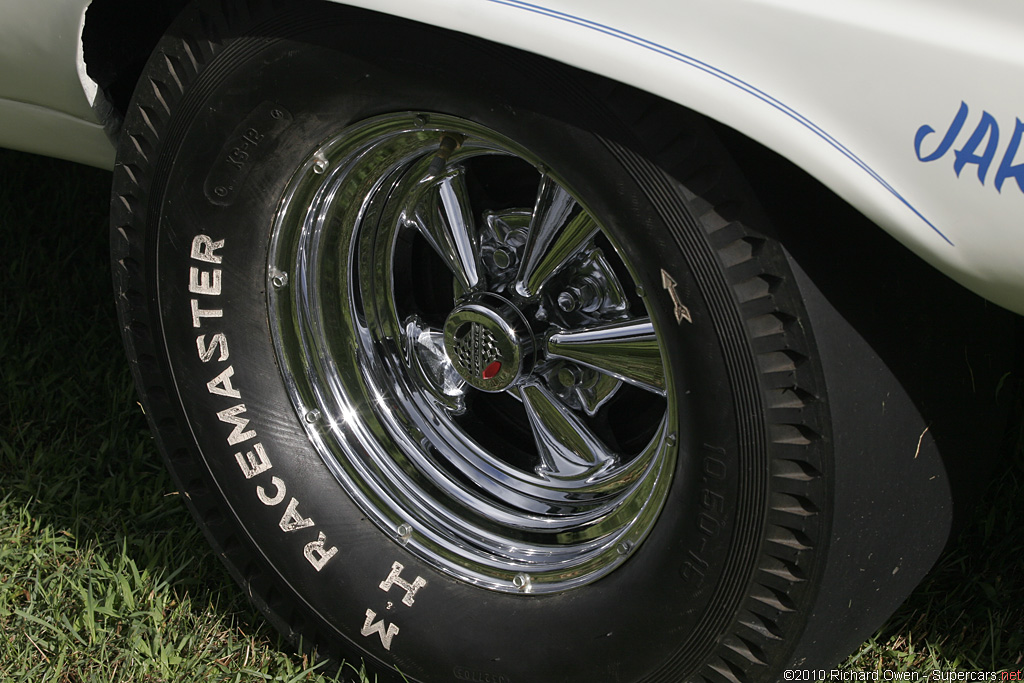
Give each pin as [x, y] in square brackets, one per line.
[908, 109]
[842, 88]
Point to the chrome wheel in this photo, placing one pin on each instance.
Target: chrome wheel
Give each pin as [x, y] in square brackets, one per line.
[471, 354]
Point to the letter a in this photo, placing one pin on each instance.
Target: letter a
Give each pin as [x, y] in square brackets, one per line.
[221, 384]
[292, 520]
[968, 154]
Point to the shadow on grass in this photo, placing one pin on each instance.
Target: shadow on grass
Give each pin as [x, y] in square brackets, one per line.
[76, 452]
[76, 458]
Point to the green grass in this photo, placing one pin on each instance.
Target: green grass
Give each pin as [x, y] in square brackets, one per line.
[103, 575]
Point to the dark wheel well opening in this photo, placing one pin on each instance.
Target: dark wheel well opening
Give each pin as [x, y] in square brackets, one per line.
[117, 39]
[948, 346]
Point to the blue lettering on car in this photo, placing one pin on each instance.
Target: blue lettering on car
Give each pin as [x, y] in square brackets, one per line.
[980, 149]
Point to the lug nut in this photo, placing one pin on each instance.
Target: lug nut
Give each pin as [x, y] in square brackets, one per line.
[502, 258]
[569, 377]
[568, 302]
[581, 295]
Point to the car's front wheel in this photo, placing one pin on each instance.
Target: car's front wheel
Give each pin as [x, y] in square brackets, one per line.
[470, 365]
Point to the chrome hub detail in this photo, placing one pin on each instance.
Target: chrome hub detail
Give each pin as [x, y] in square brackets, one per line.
[488, 340]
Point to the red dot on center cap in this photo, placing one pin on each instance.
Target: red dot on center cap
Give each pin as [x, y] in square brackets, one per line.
[491, 370]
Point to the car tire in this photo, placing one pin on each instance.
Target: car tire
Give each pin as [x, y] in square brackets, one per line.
[470, 365]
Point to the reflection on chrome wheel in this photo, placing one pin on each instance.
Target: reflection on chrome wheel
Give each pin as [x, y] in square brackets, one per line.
[452, 349]
[471, 353]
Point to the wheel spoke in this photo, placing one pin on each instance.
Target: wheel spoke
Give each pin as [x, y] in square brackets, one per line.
[626, 350]
[567, 447]
[553, 238]
[447, 224]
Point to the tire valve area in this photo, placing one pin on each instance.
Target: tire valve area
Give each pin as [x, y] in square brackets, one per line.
[449, 143]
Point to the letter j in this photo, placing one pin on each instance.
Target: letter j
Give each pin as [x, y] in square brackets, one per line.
[947, 141]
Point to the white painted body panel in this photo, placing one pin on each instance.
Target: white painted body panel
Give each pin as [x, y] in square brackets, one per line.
[840, 87]
[45, 106]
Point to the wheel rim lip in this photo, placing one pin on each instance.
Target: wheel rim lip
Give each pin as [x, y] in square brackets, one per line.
[392, 479]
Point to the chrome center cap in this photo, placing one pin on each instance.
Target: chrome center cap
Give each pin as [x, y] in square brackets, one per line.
[488, 342]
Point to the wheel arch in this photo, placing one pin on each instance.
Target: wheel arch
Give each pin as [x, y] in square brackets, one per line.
[119, 35]
[117, 39]
[809, 103]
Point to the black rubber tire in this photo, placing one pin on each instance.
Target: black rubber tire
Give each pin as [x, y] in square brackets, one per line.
[721, 588]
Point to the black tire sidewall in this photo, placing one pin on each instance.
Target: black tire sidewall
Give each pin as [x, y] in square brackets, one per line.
[656, 617]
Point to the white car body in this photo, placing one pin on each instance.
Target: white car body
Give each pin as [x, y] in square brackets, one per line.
[907, 109]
